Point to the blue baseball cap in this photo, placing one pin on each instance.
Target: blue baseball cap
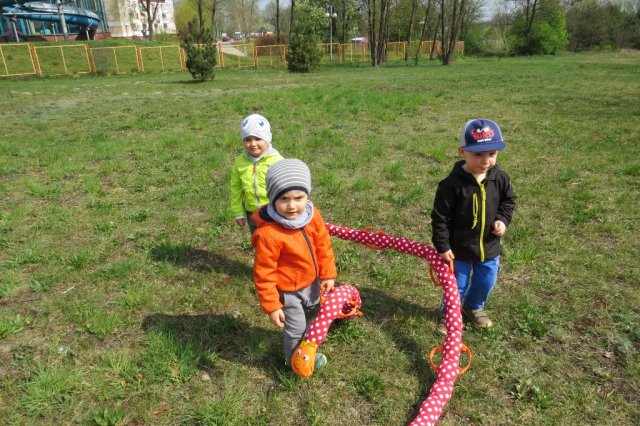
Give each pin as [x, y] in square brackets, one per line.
[481, 135]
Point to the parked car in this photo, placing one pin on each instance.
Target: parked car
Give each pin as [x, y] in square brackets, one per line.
[359, 40]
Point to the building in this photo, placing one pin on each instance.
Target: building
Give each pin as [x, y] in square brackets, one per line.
[127, 19]
[117, 18]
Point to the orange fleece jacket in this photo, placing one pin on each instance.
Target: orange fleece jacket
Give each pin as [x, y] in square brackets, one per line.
[285, 261]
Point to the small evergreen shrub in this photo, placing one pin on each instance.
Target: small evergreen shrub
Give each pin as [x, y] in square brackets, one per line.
[201, 57]
[303, 53]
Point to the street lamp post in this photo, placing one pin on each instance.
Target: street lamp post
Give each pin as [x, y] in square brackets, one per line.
[331, 15]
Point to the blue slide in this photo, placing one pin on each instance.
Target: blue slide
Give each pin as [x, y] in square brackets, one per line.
[40, 11]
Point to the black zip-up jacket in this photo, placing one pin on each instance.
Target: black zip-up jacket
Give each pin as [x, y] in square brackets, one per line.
[464, 211]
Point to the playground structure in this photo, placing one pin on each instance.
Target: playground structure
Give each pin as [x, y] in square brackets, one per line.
[60, 16]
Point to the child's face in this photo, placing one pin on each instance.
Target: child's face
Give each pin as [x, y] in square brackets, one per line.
[291, 204]
[478, 163]
[255, 146]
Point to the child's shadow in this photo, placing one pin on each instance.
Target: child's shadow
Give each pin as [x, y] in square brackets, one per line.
[198, 259]
[219, 336]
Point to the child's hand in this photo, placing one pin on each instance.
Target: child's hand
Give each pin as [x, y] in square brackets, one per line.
[327, 285]
[499, 228]
[447, 256]
[241, 222]
[277, 318]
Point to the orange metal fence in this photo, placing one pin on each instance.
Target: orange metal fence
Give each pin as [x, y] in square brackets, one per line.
[28, 59]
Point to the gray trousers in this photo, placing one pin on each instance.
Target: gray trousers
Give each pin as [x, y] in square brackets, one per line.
[300, 309]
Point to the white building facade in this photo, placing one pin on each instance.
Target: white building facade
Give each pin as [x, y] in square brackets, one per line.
[126, 19]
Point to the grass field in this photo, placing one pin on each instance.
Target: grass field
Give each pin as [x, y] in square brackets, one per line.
[125, 288]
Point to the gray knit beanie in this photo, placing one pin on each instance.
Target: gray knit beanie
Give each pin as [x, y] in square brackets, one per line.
[287, 175]
[256, 125]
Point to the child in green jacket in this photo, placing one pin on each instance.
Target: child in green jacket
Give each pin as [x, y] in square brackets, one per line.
[248, 188]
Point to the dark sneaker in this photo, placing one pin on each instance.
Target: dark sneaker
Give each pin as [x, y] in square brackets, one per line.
[442, 327]
[320, 361]
[477, 316]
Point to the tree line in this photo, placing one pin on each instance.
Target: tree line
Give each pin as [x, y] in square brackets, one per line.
[490, 27]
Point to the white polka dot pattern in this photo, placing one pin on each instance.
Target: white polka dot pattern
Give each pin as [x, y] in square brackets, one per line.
[431, 408]
[344, 301]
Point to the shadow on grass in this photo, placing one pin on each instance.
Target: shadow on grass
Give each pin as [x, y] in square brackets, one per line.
[220, 336]
[198, 259]
[381, 308]
[233, 339]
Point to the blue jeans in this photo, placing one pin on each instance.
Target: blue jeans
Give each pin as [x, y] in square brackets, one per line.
[476, 280]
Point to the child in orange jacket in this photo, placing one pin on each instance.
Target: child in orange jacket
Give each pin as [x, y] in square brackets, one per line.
[294, 261]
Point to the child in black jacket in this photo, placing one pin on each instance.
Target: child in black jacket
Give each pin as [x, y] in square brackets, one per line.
[472, 209]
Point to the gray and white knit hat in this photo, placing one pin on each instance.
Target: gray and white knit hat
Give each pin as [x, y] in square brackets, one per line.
[256, 125]
[287, 175]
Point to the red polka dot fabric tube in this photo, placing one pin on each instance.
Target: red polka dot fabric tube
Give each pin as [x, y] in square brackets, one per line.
[448, 371]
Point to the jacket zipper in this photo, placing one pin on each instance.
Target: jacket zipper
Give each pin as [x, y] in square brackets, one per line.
[313, 257]
[255, 183]
[483, 196]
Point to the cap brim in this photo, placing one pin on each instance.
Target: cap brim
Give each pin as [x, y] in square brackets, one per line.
[495, 146]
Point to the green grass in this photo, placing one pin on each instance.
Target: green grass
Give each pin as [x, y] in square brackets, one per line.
[125, 287]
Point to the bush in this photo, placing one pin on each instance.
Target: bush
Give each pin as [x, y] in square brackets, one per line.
[270, 40]
[201, 58]
[303, 54]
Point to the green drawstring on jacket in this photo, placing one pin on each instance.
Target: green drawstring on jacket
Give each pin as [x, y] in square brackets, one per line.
[475, 210]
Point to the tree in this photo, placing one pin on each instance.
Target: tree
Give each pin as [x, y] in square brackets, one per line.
[587, 25]
[201, 59]
[150, 8]
[423, 31]
[277, 21]
[303, 54]
[629, 35]
[278, 17]
[451, 19]
[414, 7]
[539, 27]
[348, 13]
[377, 16]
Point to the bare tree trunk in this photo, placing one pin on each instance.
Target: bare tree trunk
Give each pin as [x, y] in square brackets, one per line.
[151, 11]
[200, 11]
[424, 30]
[343, 23]
[442, 10]
[371, 15]
[385, 30]
[277, 21]
[214, 27]
[530, 14]
[433, 45]
[414, 6]
[380, 48]
[448, 50]
[457, 13]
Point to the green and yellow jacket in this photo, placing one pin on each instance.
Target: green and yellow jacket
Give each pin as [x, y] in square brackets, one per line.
[248, 186]
[464, 211]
